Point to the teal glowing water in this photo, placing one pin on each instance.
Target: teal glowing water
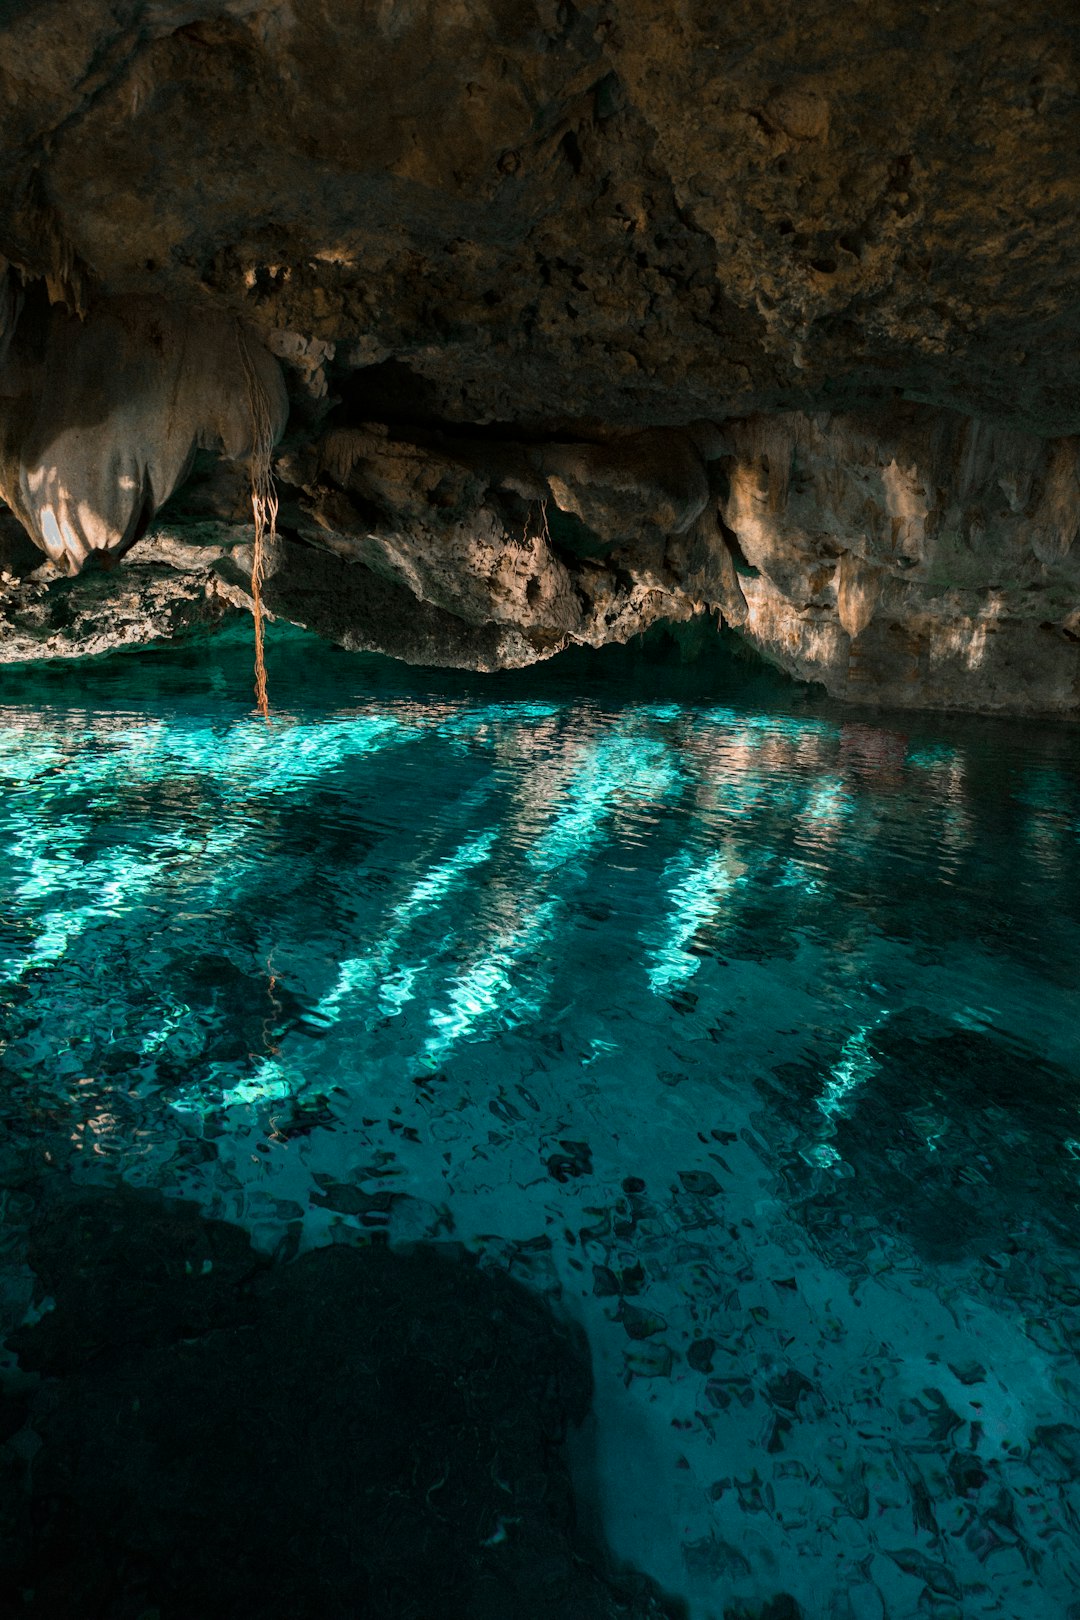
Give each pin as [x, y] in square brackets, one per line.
[746, 1029]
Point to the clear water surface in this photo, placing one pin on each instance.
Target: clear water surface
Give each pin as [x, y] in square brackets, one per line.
[744, 1028]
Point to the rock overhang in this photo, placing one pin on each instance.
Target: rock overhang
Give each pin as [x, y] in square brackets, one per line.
[529, 246]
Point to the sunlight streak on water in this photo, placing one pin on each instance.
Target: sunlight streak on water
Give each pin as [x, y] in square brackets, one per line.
[749, 1033]
[697, 890]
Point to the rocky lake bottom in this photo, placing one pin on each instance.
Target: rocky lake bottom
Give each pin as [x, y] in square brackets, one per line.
[724, 1040]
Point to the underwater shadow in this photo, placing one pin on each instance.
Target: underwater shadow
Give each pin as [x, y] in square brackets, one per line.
[354, 1432]
[957, 1140]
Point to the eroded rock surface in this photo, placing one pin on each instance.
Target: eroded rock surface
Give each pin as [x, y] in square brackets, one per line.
[591, 316]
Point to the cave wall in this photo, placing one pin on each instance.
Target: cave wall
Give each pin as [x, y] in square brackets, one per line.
[590, 317]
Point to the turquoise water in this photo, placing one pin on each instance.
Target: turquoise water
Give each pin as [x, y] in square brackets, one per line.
[745, 1029]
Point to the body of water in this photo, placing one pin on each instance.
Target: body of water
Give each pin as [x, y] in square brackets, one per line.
[746, 1030]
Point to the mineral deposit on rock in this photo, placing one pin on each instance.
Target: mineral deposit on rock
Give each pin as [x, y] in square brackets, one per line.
[590, 317]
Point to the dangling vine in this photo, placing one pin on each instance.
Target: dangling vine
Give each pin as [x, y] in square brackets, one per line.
[264, 507]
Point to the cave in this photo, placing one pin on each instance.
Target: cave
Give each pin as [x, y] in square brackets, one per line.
[539, 679]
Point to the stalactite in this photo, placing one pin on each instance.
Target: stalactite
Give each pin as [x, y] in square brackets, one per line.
[101, 420]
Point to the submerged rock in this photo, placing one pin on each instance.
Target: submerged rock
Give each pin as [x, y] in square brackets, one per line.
[356, 1432]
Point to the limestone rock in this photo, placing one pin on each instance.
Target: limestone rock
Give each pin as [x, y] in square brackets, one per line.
[655, 479]
[590, 316]
[100, 418]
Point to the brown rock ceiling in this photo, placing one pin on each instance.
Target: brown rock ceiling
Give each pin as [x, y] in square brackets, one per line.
[504, 248]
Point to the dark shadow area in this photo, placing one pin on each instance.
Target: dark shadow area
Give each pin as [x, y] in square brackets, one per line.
[391, 392]
[957, 1140]
[388, 392]
[354, 1433]
[18, 554]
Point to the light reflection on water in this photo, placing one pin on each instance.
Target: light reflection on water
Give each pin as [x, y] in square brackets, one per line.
[749, 1033]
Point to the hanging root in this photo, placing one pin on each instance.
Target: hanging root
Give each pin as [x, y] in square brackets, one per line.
[264, 507]
[544, 533]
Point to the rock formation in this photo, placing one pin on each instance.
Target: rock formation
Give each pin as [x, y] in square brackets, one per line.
[358, 1432]
[590, 317]
[101, 417]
